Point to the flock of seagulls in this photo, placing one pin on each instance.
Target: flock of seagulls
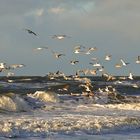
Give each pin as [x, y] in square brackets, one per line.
[97, 67]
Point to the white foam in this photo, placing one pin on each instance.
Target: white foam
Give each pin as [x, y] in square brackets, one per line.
[13, 102]
[45, 96]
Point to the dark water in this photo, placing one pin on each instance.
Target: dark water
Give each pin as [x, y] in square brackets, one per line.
[32, 83]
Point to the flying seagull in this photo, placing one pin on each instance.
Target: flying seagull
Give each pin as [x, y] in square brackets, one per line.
[108, 57]
[59, 37]
[57, 55]
[40, 48]
[30, 32]
[124, 63]
[73, 62]
[14, 66]
[138, 60]
[130, 76]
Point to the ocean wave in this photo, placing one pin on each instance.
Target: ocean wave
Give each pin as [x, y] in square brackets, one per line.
[12, 102]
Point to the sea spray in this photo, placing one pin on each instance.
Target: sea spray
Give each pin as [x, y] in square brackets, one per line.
[45, 96]
[13, 102]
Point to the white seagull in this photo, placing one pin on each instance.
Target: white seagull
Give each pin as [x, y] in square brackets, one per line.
[138, 60]
[108, 57]
[40, 48]
[60, 37]
[130, 76]
[14, 66]
[124, 63]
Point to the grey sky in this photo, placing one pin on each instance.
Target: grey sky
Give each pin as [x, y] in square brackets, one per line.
[110, 25]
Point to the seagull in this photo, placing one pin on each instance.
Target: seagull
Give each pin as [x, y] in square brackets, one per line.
[96, 64]
[78, 48]
[130, 76]
[94, 59]
[101, 69]
[118, 65]
[2, 66]
[124, 63]
[135, 86]
[109, 77]
[73, 62]
[138, 60]
[108, 57]
[30, 32]
[10, 74]
[59, 37]
[86, 87]
[77, 51]
[40, 48]
[93, 72]
[91, 49]
[58, 55]
[14, 66]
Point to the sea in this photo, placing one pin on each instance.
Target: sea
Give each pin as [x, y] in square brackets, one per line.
[39, 108]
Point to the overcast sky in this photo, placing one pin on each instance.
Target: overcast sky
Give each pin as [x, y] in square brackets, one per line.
[113, 26]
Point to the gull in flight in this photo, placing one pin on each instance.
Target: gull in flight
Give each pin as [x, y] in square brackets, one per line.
[78, 48]
[91, 49]
[40, 48]
[124, 63]
[130, 76]
[10, 74]
[14, 66]
[84, 72]
[73, 62]
[118, 65]
[108, 57]
[108, 76]
[93, 72]
[94, 59]
[30, 32]
[101, 69]
[138, 60]
[86, 87]
[96, 64]
[3, 66]
[58, 55]
[60, 37]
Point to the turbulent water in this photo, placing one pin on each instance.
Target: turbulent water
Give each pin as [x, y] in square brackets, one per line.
[37, 109]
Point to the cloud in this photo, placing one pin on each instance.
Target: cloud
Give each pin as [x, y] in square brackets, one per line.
[56, 10]
[36, 12]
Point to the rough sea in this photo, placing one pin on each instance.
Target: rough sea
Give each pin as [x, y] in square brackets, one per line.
[36, 108]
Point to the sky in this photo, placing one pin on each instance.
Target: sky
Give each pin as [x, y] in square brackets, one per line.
[113, 26]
